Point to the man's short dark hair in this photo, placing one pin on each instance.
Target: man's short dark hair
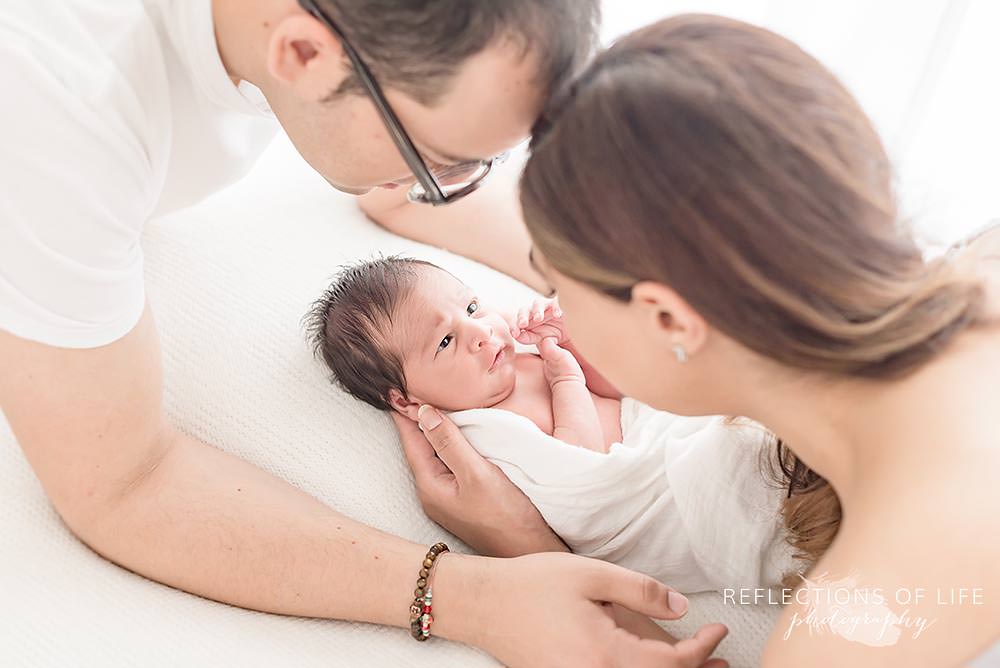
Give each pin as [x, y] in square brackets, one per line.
[418, 45]
[348, 326]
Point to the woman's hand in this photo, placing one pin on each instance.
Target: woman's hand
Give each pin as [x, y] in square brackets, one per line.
[561, 610]
[468, 495]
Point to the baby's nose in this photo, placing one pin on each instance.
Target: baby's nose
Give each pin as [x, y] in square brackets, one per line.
[483, 335]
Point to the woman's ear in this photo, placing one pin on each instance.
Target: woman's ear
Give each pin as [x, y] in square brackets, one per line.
[671, 316]
[304, 54]
[402, 405]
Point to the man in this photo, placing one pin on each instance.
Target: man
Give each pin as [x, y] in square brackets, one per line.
[121, 110]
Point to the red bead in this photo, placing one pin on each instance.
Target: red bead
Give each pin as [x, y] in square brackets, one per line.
[427, 608]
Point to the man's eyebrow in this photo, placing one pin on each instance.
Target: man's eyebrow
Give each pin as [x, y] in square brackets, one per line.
[446, 157]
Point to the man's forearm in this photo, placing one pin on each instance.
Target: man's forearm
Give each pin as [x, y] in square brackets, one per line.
[486, 226]
[574, 416]
[209, 523]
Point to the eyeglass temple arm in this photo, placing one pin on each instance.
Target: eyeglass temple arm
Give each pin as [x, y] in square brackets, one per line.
[389, 118]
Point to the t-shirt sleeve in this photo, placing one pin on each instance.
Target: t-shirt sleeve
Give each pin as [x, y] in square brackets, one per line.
[75, 189]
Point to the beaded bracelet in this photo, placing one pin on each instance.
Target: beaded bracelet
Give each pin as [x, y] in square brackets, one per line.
[420, 611]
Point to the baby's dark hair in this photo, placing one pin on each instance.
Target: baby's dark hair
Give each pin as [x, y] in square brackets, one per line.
[347, 326]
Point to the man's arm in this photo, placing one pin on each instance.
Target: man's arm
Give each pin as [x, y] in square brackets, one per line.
[190, 516]
[485, 226]
[179, 511]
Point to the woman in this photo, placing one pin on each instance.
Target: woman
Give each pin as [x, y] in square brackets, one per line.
[710, 203]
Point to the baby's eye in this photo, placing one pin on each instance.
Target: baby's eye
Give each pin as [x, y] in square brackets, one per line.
[444, 342]
[472, 307]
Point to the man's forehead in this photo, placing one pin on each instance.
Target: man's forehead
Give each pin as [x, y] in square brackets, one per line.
[489, 108]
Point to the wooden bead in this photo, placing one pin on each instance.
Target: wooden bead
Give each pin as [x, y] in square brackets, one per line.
[420, 618]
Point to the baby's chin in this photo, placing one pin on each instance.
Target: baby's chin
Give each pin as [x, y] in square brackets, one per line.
[498, 391]
[505, 384]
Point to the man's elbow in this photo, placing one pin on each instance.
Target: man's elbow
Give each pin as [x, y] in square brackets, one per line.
[93, 505]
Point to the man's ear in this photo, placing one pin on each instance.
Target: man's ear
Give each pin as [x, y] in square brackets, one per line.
[404, 406]
[303, 53]
[670, 315]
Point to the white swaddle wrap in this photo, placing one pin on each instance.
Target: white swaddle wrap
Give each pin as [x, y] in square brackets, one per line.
[682, 499]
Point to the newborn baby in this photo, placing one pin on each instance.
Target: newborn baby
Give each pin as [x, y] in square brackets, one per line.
[674, 497]
[399, 333]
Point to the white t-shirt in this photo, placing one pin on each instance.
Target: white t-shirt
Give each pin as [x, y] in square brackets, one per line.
[112, 112]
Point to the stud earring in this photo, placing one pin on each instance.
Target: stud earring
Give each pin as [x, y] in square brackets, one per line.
[680, 353]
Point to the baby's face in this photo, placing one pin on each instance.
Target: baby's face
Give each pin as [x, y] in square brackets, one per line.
[457, 354]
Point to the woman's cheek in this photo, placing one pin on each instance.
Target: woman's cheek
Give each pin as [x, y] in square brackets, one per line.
[581, 332]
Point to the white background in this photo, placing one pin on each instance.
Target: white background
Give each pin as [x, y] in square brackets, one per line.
[925, 71]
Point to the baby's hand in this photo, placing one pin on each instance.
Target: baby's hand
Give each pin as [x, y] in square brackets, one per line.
[560, 365]
[543, 319]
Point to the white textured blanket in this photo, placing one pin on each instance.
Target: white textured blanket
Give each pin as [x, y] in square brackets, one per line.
[655, 502]
[228, 281]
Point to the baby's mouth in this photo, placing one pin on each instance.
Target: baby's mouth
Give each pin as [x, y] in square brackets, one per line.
[501, 354]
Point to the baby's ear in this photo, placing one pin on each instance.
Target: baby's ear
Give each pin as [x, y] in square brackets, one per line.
[402, 405]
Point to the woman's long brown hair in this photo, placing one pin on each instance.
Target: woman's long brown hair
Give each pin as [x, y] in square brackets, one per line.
[722, 160]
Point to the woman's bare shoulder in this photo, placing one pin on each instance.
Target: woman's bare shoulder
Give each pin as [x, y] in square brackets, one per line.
[924, 580]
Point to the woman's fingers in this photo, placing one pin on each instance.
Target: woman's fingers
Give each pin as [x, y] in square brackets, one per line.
[450, 445]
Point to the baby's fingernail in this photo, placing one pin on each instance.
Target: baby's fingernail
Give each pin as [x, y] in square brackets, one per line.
[677, 602]
[429, 417]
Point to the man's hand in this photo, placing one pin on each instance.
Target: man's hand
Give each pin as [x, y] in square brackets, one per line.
[469, 496]
[566, 611]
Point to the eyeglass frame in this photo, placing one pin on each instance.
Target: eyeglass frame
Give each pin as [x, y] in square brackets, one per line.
[433, 193]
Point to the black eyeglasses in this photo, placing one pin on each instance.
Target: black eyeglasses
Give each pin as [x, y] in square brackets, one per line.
[441, 185]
